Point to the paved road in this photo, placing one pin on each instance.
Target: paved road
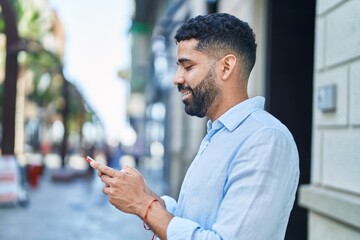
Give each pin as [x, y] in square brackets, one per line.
[69, 210]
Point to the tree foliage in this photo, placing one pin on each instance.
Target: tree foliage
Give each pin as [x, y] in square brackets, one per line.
[47, 83]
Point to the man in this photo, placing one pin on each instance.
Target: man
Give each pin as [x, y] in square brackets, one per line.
[242, 183]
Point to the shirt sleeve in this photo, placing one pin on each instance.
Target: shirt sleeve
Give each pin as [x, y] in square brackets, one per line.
[170, 204]
[258, 195]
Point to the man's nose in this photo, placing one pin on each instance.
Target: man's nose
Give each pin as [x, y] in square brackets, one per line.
[178, 79]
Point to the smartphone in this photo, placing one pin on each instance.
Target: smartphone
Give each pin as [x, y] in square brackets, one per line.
[89, 159]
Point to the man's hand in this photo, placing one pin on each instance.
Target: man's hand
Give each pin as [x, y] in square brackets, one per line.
[127, 189]
[128, 192]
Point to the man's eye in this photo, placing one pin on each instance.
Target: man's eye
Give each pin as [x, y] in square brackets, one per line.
[187, 68]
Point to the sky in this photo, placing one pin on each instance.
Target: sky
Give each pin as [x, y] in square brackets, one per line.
[98, 46]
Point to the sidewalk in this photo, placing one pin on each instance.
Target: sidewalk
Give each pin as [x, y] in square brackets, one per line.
[69, 210]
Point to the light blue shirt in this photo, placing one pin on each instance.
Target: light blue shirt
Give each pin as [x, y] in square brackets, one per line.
[243, 181]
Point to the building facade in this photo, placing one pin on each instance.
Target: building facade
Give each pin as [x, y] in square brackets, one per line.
[333, 197]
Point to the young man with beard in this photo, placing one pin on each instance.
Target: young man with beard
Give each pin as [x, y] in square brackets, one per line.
[242, 183]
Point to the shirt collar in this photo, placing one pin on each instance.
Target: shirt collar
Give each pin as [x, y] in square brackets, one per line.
[238, 113]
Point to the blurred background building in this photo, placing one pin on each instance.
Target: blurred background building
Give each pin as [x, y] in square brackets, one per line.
[308, 69]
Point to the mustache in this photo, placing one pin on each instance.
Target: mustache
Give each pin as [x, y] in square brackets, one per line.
[183, 87]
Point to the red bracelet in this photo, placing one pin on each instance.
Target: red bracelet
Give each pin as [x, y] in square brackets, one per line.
[145, 216]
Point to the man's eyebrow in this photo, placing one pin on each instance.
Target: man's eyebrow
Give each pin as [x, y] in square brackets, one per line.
[182, 60]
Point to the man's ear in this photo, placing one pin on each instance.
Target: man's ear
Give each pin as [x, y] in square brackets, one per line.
[228, 64]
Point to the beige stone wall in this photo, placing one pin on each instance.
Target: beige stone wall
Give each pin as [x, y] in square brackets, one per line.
[333, 197]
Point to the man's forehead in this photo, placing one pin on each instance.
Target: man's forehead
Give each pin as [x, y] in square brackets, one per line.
[188, 44]
[187, 51]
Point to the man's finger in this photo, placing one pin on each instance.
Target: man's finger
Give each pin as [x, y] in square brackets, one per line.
[106, 179]
[106, 190]
[104, 169]
[131, 170]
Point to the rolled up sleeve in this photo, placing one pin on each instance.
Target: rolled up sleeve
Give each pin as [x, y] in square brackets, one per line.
[170, 203]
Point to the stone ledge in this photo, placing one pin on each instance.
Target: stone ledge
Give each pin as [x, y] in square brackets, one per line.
[340, 206]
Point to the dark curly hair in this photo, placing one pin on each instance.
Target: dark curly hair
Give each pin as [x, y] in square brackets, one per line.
[220, 34]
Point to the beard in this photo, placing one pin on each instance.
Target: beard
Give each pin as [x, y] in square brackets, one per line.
[203, 95]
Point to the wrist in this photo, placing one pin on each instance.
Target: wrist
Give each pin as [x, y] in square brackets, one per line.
[143, 206]
[156, 218]
[148, 209]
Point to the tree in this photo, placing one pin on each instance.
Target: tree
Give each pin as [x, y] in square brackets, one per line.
[47, 79]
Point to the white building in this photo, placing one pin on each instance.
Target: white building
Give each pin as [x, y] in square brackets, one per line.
[333, 197]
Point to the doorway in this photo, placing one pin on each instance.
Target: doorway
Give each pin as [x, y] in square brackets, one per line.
[289, 84]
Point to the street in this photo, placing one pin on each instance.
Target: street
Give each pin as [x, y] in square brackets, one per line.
[75, 209]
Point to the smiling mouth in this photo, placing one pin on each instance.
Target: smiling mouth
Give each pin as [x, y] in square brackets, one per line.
[185, 91]
[185, 94]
